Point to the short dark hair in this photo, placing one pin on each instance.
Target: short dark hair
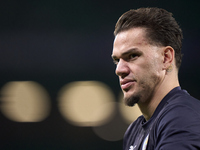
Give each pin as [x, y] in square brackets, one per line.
[161, 28]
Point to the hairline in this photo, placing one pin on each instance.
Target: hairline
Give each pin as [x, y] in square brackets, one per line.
[146, 32]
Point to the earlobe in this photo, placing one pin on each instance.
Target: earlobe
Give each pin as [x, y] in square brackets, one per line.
[168, 58]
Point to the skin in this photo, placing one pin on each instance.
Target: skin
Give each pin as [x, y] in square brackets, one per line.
[142, 69]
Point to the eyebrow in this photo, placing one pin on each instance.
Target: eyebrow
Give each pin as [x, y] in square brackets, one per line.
[125, 53]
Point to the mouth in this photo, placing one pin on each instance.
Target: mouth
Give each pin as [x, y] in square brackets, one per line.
[126, 84]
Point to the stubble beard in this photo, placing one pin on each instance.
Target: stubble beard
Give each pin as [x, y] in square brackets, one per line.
[131, 100]
[143, 95]
[139, 95]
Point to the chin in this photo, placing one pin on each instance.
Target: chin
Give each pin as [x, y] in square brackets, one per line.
[131, 100]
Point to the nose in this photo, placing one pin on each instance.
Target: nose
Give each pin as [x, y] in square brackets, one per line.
[122, 69]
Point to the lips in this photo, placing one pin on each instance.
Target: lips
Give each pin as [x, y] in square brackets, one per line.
[126, 83]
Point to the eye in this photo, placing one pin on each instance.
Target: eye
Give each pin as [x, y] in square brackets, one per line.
[115, 61]
[133, 56]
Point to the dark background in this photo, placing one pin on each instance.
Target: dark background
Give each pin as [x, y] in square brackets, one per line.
[57, 42]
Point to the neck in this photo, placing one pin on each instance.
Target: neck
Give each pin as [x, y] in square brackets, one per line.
[148, 107]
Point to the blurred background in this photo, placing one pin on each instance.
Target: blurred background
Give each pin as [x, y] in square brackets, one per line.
[58, 89]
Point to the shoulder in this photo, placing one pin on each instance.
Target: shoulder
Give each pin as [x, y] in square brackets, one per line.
[179, 123]
[180, 112]
[182, 105]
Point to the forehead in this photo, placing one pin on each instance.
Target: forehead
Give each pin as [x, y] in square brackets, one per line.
[130, 39]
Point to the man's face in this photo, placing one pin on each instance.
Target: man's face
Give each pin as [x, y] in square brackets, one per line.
[138, 65]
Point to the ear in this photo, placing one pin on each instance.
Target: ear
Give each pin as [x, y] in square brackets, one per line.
[168, 57]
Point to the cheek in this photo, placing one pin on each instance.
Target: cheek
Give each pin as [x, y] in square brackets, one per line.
[148, 67]
[154, 64]
[148, 72]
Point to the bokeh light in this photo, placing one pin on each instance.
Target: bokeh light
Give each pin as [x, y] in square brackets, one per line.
[86, 103]
[24, 101]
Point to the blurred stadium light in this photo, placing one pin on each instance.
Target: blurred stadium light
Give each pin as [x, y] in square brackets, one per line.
[25, 101]
[86, 103]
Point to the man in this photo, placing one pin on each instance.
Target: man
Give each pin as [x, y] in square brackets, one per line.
[147, 54]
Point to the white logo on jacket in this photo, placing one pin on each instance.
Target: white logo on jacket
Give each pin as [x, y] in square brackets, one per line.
[132, 148]
[144, 145]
